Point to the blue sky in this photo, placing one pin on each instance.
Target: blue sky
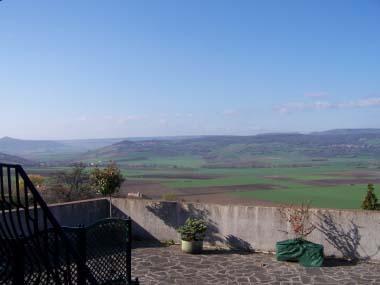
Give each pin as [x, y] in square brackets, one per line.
[92, 69]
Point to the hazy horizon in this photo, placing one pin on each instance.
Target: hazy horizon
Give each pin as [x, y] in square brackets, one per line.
[179, 136]
[89, 69]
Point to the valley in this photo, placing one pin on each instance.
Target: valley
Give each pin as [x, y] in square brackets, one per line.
[328, 169]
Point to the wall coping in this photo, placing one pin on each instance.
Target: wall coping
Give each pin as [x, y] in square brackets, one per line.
[241, 205]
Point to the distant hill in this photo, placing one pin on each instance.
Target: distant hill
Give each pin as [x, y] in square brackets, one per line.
[61, 150]
[348, 132]
[26, 147]
[84, 145]
[6, 158]
[216, 149]
[88, 144]
[50, 149]
[211, 149]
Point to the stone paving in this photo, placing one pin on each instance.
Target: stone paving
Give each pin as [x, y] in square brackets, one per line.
[168, 265]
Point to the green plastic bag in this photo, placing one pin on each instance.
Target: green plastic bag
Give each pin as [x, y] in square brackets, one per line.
[288, 250]
[312, 255]
[307, 253]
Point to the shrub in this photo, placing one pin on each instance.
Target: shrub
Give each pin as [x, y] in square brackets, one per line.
[370, 200]
[37, 180]
[168, 242]
[107, 181]
[193, 230]
[169, 197]
[299, 218]
[69, 185]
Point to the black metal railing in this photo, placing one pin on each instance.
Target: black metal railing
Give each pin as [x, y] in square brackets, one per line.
[35, 249]
[106, 249]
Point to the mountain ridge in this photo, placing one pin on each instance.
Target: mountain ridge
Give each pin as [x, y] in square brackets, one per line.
[13, 159]
[314, 145]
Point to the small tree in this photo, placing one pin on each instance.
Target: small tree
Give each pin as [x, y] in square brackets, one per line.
[107, 181]
[37, 180]
[370, 200]
[299, 218]
[71, 184]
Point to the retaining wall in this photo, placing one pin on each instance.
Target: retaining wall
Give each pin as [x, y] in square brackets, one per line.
[350, 234]
[344, 233]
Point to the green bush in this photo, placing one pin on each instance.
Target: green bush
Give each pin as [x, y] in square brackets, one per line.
[370, 200]
[193, 230]
[168, 242]
[107, 181]
[169, 197]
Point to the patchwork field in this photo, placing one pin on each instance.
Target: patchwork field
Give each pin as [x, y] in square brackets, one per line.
[324, 186]
[339, 183]
[329, 169]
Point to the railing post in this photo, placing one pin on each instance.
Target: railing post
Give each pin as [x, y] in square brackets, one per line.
[129, 250]
[82, 245]
[18, 264]
[24, 211]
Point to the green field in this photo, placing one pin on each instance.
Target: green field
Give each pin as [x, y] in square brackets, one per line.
[339, 197]
[328, 169]
[336, 183]
[294, 188]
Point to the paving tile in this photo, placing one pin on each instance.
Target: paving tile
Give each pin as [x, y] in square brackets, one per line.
[168, 265]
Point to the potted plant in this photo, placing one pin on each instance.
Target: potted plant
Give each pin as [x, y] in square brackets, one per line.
[299, 249]
[192, 235]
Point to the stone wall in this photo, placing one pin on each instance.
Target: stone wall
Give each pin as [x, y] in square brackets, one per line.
[84, 212]
[344, 233]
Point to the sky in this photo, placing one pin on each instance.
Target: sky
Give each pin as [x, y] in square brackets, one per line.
[120, 68]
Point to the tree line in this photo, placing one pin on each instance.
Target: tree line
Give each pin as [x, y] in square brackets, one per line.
[79, 182]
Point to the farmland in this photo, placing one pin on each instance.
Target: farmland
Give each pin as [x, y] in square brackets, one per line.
[336, 184]
[329, 170]
[339, 183]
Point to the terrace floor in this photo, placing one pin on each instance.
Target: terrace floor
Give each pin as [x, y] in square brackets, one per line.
[168, 265]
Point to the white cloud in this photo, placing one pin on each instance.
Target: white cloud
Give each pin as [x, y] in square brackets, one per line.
[110, 119]
[291, 107]
[324, 105]
[363, 103]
